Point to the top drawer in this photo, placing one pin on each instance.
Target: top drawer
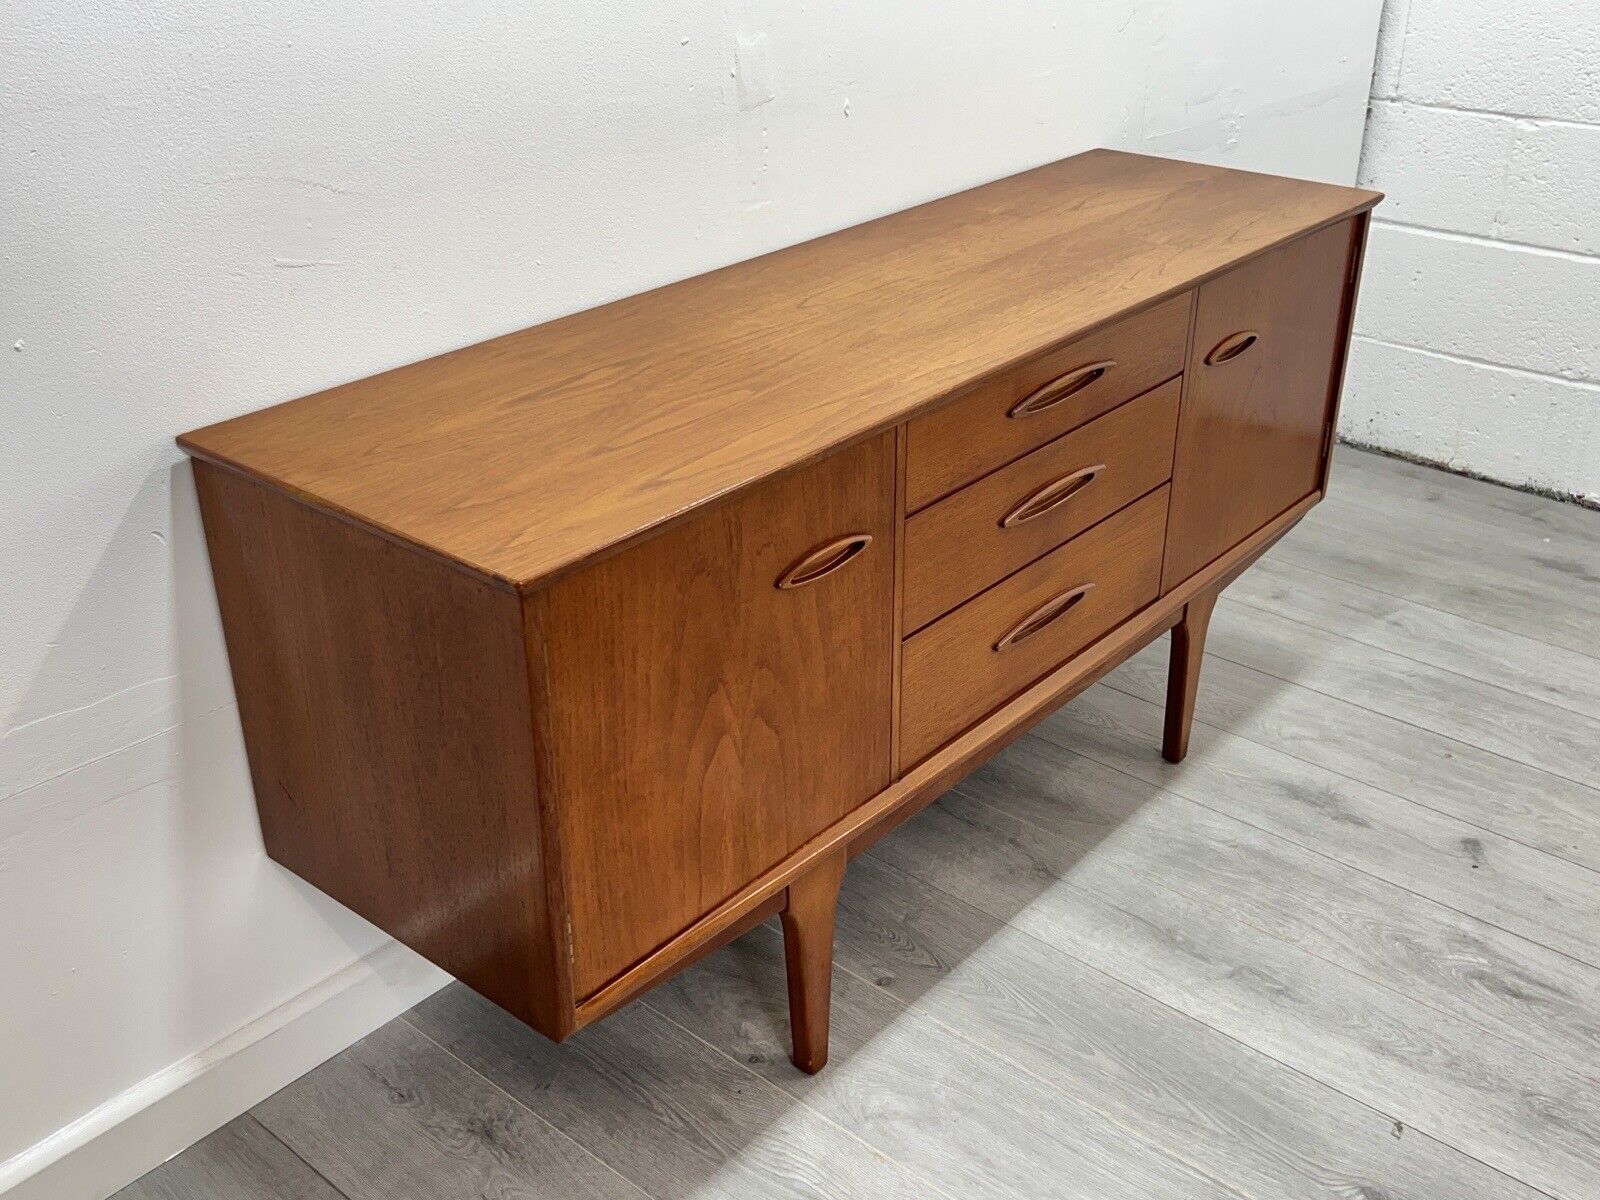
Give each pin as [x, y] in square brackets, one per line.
[1018, 410]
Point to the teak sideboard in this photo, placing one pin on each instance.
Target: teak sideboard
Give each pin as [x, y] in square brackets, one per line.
[567, 657]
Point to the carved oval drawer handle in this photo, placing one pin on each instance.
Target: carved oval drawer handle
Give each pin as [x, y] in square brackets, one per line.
[1045, 615]
[824, 560]
[1058, 389]
[1051, 496]
[1231, 346]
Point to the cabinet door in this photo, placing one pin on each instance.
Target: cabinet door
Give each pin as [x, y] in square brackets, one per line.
[1258, 395]
[702, 720]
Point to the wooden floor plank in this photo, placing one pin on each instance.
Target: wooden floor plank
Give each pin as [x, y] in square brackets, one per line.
[1520, 1113]
[395, 1116]
[1431, 499]
[669, 1112]
[1518, 990]
[1271, 1132]
[1549, 606]
[1496, 719]
[1530, 893]
[1542, 810]
[922, 1095]
[240, 1161]
[1481, 652]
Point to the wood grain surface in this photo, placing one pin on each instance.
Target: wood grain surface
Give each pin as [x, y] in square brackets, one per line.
[386, 713]
[958, 547]
[953, 671]
[808, 958]
[972, 435]
[1237, 1114]
[1086, 887]
[559, 657]
[397, 1116]
[1183, 674]
[528, 454]
[241, 1159]
[1258, 395]
[705, 722]
[1333, 955]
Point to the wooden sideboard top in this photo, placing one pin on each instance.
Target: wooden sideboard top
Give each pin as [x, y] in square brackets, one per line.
[522, 457]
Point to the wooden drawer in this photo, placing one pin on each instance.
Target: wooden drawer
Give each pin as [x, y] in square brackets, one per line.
[972, 661]
[1005, 417]
[987, 530]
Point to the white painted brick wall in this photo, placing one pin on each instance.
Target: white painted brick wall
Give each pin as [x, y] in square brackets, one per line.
[1503, 423]
[1478, 336]
[1479, 299]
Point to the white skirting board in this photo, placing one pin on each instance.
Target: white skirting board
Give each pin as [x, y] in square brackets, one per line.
[141, 1128]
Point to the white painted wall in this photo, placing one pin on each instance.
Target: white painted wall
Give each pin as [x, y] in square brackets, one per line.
[211, 208]
[1477, 344]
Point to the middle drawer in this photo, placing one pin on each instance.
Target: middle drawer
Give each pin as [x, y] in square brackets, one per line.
[974, 660]
[964, 543]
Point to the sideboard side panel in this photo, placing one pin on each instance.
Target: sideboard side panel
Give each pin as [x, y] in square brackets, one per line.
[385, 702]
[705, 723]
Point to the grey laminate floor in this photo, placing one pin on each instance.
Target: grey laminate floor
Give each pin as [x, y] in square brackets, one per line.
[1350, 948]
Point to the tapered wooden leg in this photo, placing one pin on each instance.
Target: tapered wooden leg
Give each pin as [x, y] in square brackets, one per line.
[808, 953]
[1183, 675]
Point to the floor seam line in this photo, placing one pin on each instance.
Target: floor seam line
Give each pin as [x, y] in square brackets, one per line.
[791, 1097]
[1533, 941]
[1043, 732]
[1017, 1065]
[1438, 1139]
[1281, 564]
[1397, 463]
[277, 1137]
[534, 1113]
[1334, 962]
[1421, 662]
[1379, 502]
[1345, 579]
[1443, 812]
[1401, 721]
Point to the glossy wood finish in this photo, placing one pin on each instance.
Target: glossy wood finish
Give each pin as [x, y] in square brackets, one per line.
[1075, 933]
[923, 783]
[570, 657]
[824, 561]
[1004, 418]
[1183, 675]
[984, 532]
[703, 721]
[1258, 394]
[1360, 225]
[528, 455]
[958, 668]
[386, 714]
[808, 957]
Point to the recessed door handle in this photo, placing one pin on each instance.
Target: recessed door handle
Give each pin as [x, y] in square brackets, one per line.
[824, 560]
[1058, 389]
[1051, 496]
[1045, 615]
[1231, 347]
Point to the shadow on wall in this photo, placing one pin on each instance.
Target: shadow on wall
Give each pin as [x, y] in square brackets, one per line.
[155, 925]
[234, 899]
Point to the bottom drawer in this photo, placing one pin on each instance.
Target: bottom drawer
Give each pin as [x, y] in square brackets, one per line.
[973, 660]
